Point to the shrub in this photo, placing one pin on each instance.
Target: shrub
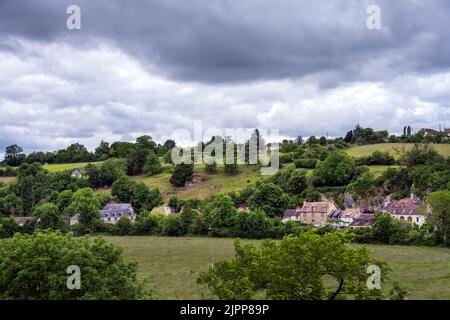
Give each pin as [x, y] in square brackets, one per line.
[306, 163]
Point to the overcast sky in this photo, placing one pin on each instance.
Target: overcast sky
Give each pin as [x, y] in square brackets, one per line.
[150, 67]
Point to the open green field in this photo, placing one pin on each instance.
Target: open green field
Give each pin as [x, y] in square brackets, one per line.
[378, 170]
[170, 266]
[207, 183]
[7, 180]
[65, 166]
[395, 149]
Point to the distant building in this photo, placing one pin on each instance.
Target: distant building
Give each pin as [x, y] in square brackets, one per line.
[291, 214]
[447, 132]
[405, 210]
[111, 213]
[76, 174]
[428, 131]
[365, 220]
[22, 220]
[73, 220]
[114, 211]
[314, 213]
[341, 219]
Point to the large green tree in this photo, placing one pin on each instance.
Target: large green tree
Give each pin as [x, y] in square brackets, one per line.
[303, 267]
[48, 216]
[269, 198]
[181, 174]
[439, 203]
[14, 155]
[338, 169]
[35, 267]
[85, 203]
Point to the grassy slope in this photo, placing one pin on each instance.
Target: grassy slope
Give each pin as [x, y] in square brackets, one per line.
[65, 166]
[395, 149]
[7, 180]
[171, 265]
[209, 184]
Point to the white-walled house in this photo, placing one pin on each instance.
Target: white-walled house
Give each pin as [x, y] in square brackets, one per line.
[405, 210]
[111, 213]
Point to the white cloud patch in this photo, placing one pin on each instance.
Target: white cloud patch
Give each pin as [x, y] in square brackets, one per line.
[54, 94]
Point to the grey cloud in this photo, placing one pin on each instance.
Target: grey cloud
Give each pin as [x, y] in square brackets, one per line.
[149, 67]
[233, 41]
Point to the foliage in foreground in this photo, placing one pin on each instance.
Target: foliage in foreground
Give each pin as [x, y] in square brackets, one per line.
[303, 267]
[34, 267]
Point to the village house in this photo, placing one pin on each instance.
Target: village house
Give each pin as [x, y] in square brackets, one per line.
[76, 173]
[447, 132]
[114, 211]
[73, 220]
[405, 210]
[341, 219]
[111, 213]
[314, 213]
[365, 220]
[428, 131]
[22, 220]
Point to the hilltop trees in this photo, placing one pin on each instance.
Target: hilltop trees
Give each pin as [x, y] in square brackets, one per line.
[14, 155]
[102, 151]
[105, 174]
[145, 142]
[361, 135]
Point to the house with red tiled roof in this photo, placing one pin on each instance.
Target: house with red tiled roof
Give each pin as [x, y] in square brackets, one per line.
[405, 210]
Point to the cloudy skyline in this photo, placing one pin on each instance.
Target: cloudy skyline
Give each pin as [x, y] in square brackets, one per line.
[150, 67]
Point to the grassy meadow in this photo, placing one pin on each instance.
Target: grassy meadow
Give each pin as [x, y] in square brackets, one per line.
[7, 180]
[170, 265]
[65, 166]
[206, 185]
[394, 149]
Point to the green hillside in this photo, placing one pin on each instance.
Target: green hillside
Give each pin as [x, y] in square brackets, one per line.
[395, 149]
[205, 185]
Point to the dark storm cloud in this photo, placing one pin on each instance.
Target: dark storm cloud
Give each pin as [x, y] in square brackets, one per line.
[150, 67]
[228, 41]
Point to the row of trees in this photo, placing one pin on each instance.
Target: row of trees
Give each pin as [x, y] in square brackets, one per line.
[14, 154]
